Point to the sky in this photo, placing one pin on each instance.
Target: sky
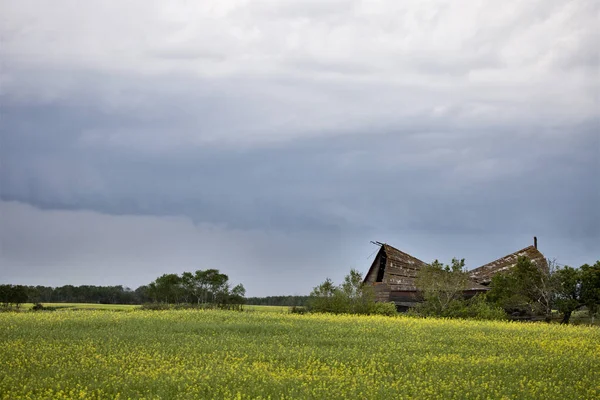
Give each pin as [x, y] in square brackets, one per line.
[273, 140]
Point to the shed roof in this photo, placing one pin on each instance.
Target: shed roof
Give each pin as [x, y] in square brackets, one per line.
[484, 274]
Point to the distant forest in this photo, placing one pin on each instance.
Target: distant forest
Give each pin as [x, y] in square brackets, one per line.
[115, 295]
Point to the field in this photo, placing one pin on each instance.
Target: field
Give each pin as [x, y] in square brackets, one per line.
[192, 354]
[85, 306]
[129, 307]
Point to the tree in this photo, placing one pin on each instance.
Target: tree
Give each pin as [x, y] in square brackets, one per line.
[237, 295]
[321, 297]
[590, 288]
[527, 288]
[13, 294]
[217, 283]
[5, 295]
[238, 290]
[188, 283]
[440, 284]
[166, 288]
[19, 295]
[352, 297]
[568, 291]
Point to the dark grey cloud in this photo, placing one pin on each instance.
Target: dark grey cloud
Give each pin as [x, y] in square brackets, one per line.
[451, 180]
[277, 143]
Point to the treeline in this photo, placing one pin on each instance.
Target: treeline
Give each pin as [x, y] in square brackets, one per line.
[200, 287]
[19, 294]
[288, 301]
[13, 295]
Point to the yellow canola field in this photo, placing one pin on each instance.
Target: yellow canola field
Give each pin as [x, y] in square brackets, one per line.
[191, 354]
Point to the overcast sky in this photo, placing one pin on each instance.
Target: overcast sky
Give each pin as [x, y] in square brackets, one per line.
[274, 139]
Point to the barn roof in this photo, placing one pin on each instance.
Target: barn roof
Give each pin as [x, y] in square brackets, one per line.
[484, 274]
[401, 269]
[397, 257]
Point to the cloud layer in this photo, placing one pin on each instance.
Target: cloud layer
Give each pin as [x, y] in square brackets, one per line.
[320, 122]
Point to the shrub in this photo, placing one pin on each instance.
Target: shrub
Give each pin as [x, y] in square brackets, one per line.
[41, 307]
[298, 310]
[351, 297]
[474, 308]
[383, 309]
[155, 306]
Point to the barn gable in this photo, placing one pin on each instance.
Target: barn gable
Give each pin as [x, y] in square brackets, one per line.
[393, 274]
[483, 275]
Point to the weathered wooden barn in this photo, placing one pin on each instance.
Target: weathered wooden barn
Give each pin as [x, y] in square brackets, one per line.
[393, 274]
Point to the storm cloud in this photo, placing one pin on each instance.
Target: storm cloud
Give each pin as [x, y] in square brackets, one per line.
[274, 140]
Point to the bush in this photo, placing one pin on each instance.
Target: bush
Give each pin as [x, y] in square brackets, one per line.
[41, 307]
[155, 306]
[298, 310]
[383, 309]
[474, 308]
[351, 297]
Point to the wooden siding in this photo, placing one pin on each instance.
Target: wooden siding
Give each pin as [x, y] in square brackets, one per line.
[400, 271]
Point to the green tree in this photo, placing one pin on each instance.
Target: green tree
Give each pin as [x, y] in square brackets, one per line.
[322, 297]
[237, 295]
[18, 295]
[5, 295]
[440, 284]
[351, 296]
[218, 284]
[590, 288]
[528, 288]
[167, 288]
[568, 291]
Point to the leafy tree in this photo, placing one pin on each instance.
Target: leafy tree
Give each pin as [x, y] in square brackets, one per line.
[568, 291]
[13, 294]
[350, 297]
[217, 284]
[528, 288]
[5, 295]
[166, 288]
[237, 295]
[18, 295]
[590, 288]
[239, 290]
[440, 284]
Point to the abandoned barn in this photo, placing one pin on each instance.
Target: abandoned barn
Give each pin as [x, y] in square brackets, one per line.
[393, 274]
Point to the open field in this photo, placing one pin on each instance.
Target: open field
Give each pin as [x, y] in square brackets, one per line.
[86, 306]
[223, 354]
[129, 307]
[275, 309]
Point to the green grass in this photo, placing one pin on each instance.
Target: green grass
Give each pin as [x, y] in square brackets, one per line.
[129, 307]
[274, 309]
[86, 306]
[192, 354]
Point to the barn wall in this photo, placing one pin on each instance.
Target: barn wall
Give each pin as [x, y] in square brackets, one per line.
[381, 289]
